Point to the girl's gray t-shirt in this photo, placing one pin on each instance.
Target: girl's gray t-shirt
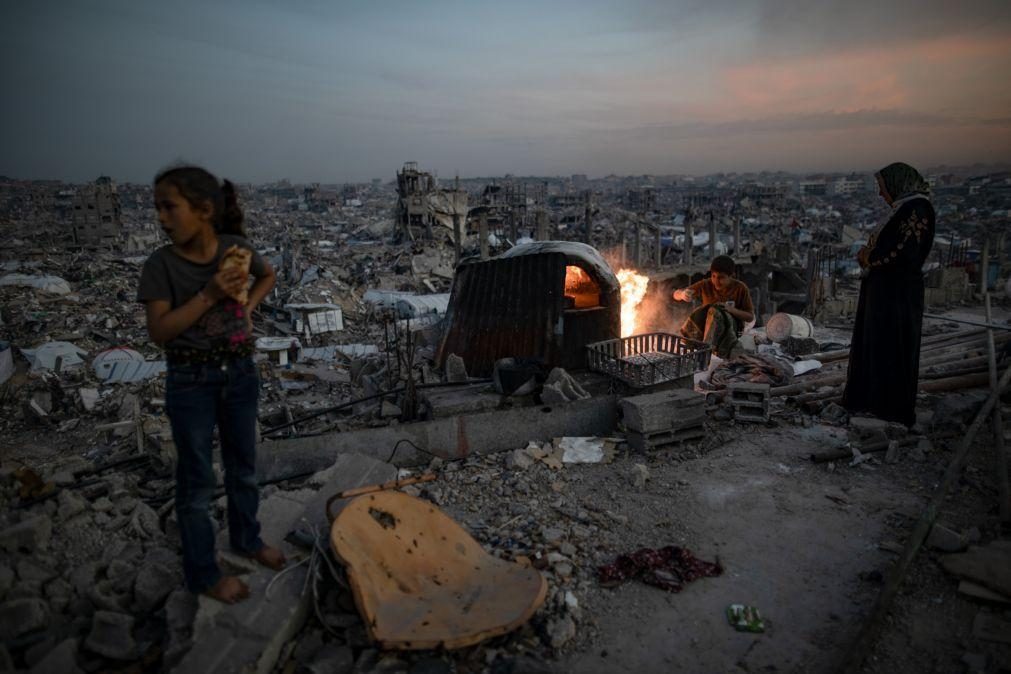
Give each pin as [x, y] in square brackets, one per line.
[167, 276]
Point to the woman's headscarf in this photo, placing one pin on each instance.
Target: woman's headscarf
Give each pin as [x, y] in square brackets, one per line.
[902, 180]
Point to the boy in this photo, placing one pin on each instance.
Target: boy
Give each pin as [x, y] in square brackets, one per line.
[726, 307]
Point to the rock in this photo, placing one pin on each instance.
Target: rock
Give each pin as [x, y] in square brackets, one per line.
[892, 453]
[957, 408]
[26, 589]
[111, 635]
[63, 478]
[519, 459]
[59, 594]
[561, 631]
[390, 410]
[60, 660]
[21, 616]
[551, 534]
[30, 570]
[154, 582]
[144, 522]
[37, 651]
[563, 570]
[868, 425]
[723, 414]
[975, 663]
[71, 504]
[639, 475]
[456, 369]
[28, 535]
[82, 577]
[567, 549]
[308, 645]
[102, 505]
[834, 413]
[332, 659]
[180, 610]
[944, 539]
[6, 579]
[432, 665]
[121, 574]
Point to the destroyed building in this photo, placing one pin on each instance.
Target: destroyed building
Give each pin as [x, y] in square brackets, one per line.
[96, 214]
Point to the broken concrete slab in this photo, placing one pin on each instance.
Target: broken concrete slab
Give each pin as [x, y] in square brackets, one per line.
[28, 535]
[249, 636]
[21, 616]
[453, 437]
[111, 635]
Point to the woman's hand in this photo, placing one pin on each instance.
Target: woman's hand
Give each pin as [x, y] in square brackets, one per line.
[684, 295]
[226, 283]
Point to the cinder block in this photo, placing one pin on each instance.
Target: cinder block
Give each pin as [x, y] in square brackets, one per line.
[662, 411]
[664, 439]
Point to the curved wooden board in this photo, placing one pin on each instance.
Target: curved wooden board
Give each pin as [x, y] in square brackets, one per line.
[420, 581]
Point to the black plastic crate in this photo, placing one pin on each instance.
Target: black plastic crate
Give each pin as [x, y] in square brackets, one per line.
[648, 359]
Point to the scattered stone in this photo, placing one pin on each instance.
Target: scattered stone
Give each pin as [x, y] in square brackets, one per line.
[561, 631]
[332, 659]
[834, 413]
[723, 414]
[71, 504]
[563, 570]
[21, 616]
[144, 522]
[868, 425]
[456, 369]
[6, 579]
[944, 539]
[390, 410]
[28, 535]
[567, 549]
[30, 570]
[519, 459]
[61, 660]
[111, 635]
[37, 651]
[551, 535]
[639, 475]
[892, 453]
[102, 505]
[154, 582]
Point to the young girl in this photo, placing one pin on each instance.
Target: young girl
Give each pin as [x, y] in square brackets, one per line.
[211, 377]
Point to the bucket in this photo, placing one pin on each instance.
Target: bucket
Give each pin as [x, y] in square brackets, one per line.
[781, 326]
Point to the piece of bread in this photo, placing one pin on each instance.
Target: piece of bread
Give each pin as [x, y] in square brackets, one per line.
[238, 258]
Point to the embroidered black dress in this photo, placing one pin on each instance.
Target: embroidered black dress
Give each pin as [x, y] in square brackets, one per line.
[885, 351]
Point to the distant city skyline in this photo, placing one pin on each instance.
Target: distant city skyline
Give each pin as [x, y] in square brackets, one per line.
[347, 92]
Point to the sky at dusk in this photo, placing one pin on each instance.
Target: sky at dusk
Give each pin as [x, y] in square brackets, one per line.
[333, 91]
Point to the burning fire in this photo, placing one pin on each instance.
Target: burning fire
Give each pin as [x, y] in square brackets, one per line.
[633, 289]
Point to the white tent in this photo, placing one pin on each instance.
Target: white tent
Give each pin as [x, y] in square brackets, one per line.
[50, 284]
[44, 357]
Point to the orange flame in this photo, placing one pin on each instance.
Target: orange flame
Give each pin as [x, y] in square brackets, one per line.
[633, 289]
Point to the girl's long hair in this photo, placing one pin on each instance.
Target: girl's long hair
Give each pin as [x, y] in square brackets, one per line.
[198, 185]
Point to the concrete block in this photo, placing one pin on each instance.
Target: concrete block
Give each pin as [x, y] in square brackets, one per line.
[664, 439]
[28, 535]
[660, 411]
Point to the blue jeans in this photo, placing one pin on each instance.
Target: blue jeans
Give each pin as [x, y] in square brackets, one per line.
[196, 398]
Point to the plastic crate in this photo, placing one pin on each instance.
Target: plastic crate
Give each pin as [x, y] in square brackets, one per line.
[648, 359]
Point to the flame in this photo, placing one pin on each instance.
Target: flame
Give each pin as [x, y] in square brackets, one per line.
[633, 289]
[574, 278]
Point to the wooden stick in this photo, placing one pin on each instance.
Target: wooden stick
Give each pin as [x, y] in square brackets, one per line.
[1003, 490]
[868, 633]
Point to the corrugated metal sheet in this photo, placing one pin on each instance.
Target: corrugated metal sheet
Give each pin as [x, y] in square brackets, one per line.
[506, 307]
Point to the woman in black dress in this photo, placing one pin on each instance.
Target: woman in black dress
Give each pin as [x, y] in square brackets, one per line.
[885, 351]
